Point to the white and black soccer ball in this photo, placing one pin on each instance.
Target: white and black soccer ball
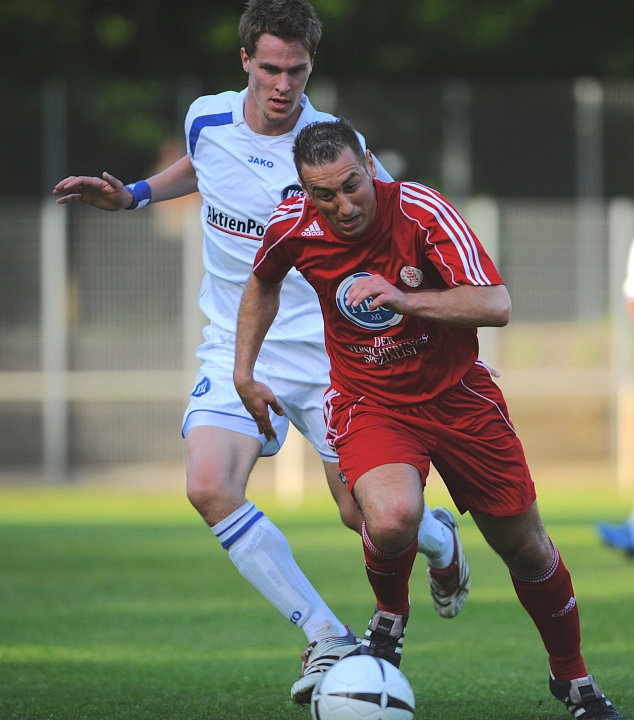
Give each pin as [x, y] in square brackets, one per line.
[362, 687]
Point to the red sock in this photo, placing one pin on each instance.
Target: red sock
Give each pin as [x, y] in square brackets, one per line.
[550, 601]
[389, 574]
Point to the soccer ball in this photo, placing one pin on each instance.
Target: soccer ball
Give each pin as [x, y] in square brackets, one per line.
[362, 687]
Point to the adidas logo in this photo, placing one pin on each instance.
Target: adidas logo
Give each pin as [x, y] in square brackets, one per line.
[312, 230]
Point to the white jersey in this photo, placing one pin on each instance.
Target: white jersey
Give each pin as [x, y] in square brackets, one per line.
[242, 176]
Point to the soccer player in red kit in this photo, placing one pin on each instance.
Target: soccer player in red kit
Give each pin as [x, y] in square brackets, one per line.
[403, 285]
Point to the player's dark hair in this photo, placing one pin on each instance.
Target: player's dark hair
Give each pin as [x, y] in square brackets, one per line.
[285, 19]
[322, 143]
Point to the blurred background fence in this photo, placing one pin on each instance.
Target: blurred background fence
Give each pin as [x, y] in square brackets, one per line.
[98, 314]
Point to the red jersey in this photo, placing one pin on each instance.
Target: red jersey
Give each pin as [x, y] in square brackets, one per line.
[417, 241]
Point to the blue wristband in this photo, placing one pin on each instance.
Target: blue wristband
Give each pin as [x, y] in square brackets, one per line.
[141, 194]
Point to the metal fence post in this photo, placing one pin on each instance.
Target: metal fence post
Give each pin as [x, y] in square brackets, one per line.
[54, 331]
[621, 232]
[588, 96]
[54, 341]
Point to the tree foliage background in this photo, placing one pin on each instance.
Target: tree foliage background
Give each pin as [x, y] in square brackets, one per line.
[165, 38]
[114, 78]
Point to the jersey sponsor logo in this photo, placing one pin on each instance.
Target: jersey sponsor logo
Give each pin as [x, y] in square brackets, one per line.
[260, 161]
[293, 190]
[248, 228]
[386, 349]
[411, 276]
[379, 319]
[313, 230]
[203, 387]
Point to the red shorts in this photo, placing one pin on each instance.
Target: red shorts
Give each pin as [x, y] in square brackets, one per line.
[465, 432]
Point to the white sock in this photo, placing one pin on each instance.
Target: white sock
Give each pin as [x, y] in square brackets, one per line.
[263, 556]
[435, 540]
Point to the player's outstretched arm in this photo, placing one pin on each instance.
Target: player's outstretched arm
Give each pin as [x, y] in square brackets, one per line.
[175, 181]
[105, 193]
[109, 193]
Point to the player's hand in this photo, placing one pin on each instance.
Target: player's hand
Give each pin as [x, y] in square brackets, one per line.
[258, 398]
[383, 294]
[105, 193]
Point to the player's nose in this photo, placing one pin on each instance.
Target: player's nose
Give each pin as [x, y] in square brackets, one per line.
[283, 84]
[345, 206]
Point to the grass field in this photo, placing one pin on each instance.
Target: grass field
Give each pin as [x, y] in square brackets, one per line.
[119, 604]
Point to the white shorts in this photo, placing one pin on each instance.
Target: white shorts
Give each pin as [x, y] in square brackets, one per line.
[298, 374]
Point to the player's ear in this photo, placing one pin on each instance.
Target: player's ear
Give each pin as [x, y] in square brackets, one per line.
[245, 60]
[369, 159]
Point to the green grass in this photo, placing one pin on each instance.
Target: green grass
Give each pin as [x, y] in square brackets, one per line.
[121, 605]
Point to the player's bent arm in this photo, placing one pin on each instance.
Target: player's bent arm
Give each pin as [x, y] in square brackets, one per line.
[258, 308]
[460, 306]
[463, 305]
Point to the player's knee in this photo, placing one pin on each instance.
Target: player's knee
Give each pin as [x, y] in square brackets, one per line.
[396, 528]
[206, 492]
[529, 555]
[197, 492]
[194, 492]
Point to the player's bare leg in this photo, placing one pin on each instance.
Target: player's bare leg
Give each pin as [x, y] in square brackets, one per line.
[219, 462]
[218, 465]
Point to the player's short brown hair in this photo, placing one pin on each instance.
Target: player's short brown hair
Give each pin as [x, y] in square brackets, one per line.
[285, 19]
[322, 143]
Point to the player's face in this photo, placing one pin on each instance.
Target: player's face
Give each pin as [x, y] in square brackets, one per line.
[278, 73]
[344, 192]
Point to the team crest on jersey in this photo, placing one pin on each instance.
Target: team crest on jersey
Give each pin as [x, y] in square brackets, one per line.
[411, 276]
[379, 319]
[292, 191]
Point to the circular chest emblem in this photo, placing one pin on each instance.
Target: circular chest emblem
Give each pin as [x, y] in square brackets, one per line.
[411, 276]
[379, 319]
[293, 190]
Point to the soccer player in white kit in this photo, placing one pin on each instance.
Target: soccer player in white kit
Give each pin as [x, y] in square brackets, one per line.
[239, 159]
